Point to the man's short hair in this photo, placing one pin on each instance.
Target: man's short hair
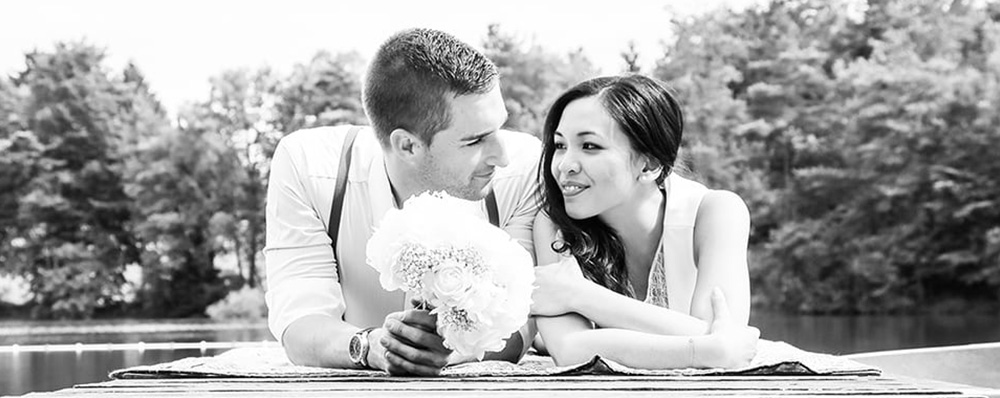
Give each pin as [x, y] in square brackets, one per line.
[413, 77]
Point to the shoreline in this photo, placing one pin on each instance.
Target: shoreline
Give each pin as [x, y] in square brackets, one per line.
[22, 328]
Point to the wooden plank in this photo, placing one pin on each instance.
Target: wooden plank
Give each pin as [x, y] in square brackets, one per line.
[477, 393]
[547, 387]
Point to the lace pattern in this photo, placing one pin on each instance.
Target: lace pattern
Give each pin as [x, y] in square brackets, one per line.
[656, 286]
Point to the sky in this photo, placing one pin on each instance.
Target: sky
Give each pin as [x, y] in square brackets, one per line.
[180, 44]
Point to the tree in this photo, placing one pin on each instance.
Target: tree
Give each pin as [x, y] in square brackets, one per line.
[631, 58]
[183, 180]
[326, 91]
[251, 111]
[858, 143]
[72, 213]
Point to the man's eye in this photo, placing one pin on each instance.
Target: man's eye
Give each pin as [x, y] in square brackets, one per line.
[474, 142]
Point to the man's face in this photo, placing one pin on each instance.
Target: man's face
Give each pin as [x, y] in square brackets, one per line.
[463, 158]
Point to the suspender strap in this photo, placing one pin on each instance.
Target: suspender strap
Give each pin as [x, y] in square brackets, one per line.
[337, 208]
[491, 208]
[338, 194]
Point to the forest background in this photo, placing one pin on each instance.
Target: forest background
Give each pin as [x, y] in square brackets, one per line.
[865, 144]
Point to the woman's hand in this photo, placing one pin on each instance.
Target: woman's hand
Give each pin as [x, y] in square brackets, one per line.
[557, 287]
[727, 344]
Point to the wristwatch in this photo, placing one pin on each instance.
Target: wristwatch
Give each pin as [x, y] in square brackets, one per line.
[358, 347]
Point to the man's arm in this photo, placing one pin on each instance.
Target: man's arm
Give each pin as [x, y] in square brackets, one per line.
[319, 340]
[304, 297]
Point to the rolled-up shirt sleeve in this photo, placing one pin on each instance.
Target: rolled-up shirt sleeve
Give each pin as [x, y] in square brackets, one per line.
[301, 269]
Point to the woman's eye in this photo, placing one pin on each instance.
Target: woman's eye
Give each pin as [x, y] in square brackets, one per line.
[559, 145]
[590, 146]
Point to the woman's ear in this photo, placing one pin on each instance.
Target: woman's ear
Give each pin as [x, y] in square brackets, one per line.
[405, 144]
[651, 171]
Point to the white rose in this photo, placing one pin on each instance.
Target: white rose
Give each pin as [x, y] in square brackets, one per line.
[450, 285]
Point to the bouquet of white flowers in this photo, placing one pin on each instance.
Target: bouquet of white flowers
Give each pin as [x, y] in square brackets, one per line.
[475, 277]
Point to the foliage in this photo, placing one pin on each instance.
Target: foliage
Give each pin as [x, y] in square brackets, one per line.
[244, 304]
[181, 181]
[531, 77]
[863, 140]
[866, 142]
[66, 155]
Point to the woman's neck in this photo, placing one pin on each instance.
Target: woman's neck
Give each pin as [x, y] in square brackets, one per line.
[638, 221]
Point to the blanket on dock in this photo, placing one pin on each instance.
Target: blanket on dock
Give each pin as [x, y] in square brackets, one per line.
[773, 358]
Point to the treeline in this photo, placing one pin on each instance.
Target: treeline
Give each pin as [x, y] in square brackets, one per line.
[862, 139]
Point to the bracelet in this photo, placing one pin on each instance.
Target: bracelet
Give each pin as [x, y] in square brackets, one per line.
[691, 345]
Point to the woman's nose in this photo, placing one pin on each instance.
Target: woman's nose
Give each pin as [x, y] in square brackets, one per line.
[568, 164]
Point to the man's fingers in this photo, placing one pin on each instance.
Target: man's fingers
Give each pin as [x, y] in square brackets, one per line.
[399, 366]
[414, 355]
[419, 318]
[414, 335]
[720, 309]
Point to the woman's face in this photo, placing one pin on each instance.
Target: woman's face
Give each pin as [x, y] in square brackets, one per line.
[593, 163]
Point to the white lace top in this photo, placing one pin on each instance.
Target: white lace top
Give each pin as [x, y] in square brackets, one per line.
[673, 274]
[656, 287]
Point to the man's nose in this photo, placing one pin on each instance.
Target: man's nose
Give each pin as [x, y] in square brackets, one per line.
[497, 156]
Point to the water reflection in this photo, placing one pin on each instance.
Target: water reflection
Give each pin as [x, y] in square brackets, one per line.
[25, 372]
[854, 334]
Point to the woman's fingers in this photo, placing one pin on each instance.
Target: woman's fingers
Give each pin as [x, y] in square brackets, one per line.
[720, 310]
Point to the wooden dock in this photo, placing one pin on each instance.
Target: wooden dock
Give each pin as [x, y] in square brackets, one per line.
[549, 387]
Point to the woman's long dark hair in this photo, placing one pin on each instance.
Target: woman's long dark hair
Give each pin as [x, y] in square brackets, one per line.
[651, 117]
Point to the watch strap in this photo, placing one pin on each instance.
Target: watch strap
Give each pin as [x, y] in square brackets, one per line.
[362, 336]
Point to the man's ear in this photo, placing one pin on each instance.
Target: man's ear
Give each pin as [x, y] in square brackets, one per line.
[406, 144]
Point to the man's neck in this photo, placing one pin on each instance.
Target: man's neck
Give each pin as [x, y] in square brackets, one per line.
[400, 181]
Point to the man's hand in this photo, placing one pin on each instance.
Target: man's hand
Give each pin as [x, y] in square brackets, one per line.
[408, 344]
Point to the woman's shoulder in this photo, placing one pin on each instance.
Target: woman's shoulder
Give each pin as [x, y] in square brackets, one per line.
[722, 210]
[706, 201]
[721, 200]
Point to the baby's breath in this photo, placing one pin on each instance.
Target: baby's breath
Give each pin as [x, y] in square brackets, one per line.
[456, 319]
[414, 260]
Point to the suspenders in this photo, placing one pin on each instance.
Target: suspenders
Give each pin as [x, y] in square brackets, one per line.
[338, 196]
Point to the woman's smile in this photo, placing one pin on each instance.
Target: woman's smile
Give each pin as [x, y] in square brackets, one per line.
[571, 189]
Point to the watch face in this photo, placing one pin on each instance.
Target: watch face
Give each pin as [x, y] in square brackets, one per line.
[354, 349]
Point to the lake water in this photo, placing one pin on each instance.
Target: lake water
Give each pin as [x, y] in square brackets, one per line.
[46, 371]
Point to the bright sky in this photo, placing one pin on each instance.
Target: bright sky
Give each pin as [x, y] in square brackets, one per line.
[180, 44]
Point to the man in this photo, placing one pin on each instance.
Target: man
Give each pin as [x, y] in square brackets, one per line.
[435, 108]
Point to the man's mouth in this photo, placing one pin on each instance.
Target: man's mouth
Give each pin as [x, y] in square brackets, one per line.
[485, 176]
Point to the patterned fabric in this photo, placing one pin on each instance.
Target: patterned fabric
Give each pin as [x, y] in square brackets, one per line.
[773, 359]
[656, 287]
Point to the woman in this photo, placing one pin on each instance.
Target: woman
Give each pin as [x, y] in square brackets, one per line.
[646, 256]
